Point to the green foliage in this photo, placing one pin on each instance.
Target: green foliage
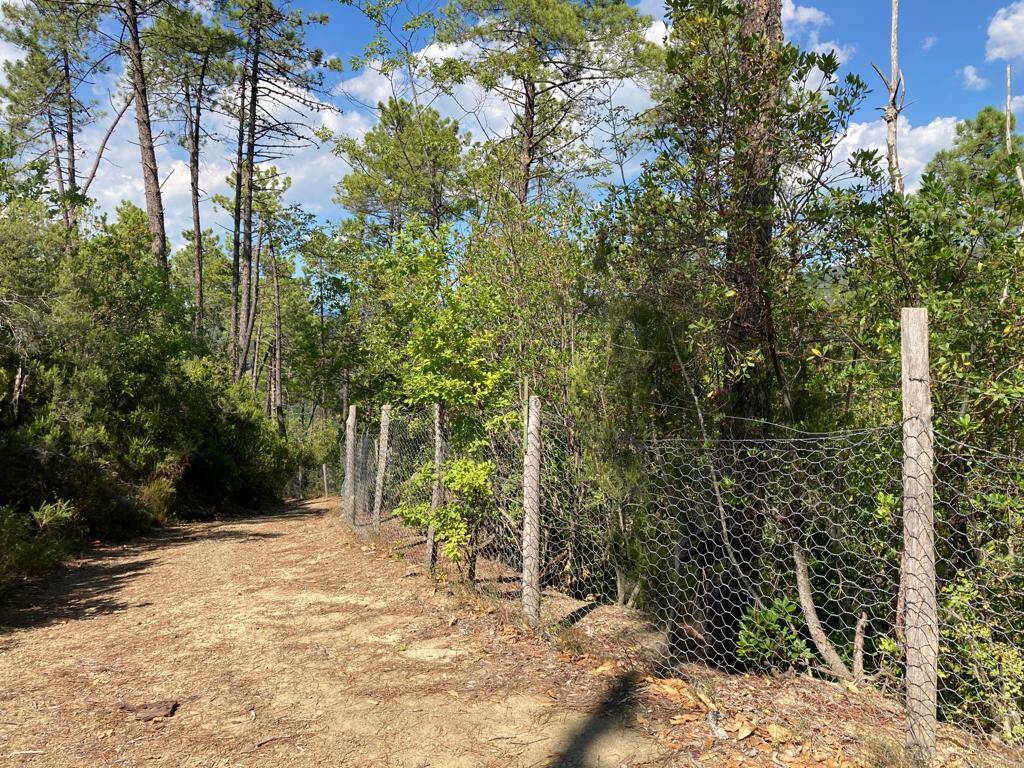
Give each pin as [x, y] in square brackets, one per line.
[770, 637]
[36, 541]
[981, 657]
[119, 408]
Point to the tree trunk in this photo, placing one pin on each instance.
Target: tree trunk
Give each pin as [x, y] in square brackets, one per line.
[69, 125]
[58, 171]
[193, 118]
[236, 231]
[825, 648]
[749, 248]
[150, 173]
[278, 340]
[1009, 130]
[892, 107]
[247, 199]
[245, 343]
[526, 147]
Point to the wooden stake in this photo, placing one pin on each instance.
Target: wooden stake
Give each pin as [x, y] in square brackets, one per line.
[920, 614]
[348, 500]
[437, 496]
[382, 464]
[531, 517]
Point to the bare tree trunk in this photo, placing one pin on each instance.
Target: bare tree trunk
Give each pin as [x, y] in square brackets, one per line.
[103, 143]
[526, 147]
[69, 139]
[58, 171]
[278, 341]
[69, 125]
[825, 648]
[247, 198]
[150, 173]
[245, 343]
[193, 118]
[894, 103]
[1009, 129]
[236, 231]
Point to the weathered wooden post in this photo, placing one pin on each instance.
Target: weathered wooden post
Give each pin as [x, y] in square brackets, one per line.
[326, 492]
[437, 496]
[920, 614]
[531, 517]
[382, 464]
[348, 498]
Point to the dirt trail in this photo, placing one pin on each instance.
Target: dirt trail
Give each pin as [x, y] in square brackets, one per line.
[286, 641]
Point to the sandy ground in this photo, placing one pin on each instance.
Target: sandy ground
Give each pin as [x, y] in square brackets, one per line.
[286, 641]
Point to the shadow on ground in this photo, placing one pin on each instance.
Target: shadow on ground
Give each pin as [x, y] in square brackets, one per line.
[89, 586]
[612, 712]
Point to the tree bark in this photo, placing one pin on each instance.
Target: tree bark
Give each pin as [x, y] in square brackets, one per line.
[278, 404]
[236, 219]
[58, 171]
[193, 123]
[150, 172]
[750, 240]
[526, 146]
[825, 648]
[247, 198]
[69, 125]
[1009, 129]
[894, 86]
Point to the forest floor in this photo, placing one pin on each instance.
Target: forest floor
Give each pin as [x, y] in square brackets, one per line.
[287, 640]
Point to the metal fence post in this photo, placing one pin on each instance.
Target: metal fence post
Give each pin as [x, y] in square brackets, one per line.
[382, 464]
[920, 613]
[348, 499]
[437, 496]
[531, 517]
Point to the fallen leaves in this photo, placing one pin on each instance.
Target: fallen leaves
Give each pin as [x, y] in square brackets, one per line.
[778, 733]
[679, 692]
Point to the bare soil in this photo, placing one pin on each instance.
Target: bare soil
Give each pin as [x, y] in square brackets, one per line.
[287, 640]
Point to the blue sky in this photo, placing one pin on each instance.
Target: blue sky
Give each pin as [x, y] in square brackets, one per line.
[953, 54]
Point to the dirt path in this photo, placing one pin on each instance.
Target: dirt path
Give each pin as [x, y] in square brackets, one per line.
[286, 641]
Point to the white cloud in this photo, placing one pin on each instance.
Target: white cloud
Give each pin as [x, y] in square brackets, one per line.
[972, 79]
[10, 52]
[655, 8]
[917, 144]
[1006, 33]
[657, 32]
[929, 42]
[802, 18]
[843, 52]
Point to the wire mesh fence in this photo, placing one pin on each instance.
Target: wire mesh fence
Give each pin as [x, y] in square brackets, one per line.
[755, 556]
[889, 557]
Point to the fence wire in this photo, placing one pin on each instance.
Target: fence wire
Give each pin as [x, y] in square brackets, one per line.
[754, 556]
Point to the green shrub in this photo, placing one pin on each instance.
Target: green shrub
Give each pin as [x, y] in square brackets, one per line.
[769, 639]
[37, 540]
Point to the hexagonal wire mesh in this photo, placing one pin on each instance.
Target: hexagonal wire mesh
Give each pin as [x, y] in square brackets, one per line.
[759, 555]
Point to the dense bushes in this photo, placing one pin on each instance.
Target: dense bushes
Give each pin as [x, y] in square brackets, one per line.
[111, 405]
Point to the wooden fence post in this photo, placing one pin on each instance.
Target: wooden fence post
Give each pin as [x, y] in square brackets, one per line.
[348, 499]
[531, 517]
[437, 496]
[326, 493]
[382, 464]
[920, 613]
